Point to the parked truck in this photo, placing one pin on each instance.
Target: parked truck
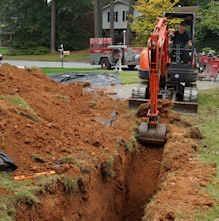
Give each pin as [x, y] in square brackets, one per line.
[104, 53]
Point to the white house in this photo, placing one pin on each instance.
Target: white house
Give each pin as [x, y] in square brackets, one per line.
[120, 10]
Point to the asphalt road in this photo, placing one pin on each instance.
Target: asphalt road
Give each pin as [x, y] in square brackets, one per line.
[42, 64]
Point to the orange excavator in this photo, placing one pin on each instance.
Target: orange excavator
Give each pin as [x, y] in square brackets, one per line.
[154, 60]
[168, 75]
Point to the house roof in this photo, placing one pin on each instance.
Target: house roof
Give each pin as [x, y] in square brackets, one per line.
[124, 2]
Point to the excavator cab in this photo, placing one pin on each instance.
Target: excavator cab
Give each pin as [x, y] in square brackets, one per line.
[182, 72]
[181, 52]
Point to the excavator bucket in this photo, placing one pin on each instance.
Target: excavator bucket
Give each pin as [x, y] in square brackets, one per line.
[147, 135]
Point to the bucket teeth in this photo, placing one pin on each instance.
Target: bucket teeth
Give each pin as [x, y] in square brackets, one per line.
[156, 136]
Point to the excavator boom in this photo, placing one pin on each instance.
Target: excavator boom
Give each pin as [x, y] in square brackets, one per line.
[155, 60]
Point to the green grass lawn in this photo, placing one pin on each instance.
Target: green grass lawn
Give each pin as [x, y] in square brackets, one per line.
[52, 71]
[208, 122]
[75, 56]
[126, 77]
[129, 77]
[3, 50]
[27, 192]
[50, 57]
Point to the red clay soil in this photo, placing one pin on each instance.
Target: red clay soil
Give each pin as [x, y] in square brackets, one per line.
[142, 181]
[119, 199]
[180, 193]
[73, 132]
[69, 122]
[65, 123]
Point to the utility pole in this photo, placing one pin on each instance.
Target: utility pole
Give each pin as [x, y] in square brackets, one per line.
[97, 19]
[53, 27]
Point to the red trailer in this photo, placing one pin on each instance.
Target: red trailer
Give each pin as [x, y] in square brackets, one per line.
[104, 53]
[210, 67]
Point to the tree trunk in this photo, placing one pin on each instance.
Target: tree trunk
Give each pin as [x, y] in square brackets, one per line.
[130, 20]
[97, 19]
[112, 21]
[53, 26]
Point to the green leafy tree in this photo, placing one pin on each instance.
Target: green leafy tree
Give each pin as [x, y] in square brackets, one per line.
[188, 2]
[149, 11]
[208, 26]
[30, 22]
[74, 23]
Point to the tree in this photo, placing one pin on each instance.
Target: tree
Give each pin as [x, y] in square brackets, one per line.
[30, 22]
[188, 2]
[112, 21]
[208, 26]
[97, 18]
[149, 11]
[130, 20]
[53, 27]
[74, 23]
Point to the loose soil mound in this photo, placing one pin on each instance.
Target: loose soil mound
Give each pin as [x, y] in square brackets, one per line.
[180, 194]
[41, 122]
[86, 139]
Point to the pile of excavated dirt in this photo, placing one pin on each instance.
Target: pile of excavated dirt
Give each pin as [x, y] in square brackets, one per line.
[180, 192]
[60, 120]
[86, 139]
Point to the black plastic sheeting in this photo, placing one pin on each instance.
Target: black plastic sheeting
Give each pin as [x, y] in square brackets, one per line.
[6, 164]
[98, 80]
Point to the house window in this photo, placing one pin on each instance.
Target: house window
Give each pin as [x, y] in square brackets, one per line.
[124, 16]
[108, 16]
[116, 16]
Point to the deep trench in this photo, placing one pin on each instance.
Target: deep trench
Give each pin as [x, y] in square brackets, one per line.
[141, 182]
[122, 198]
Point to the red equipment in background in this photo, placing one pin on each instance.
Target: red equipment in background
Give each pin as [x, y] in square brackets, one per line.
[209, 67]
[100, 45]
[104, 53]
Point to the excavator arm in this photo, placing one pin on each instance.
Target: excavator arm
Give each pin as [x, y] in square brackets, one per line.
[158, 62]
[154, 60]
